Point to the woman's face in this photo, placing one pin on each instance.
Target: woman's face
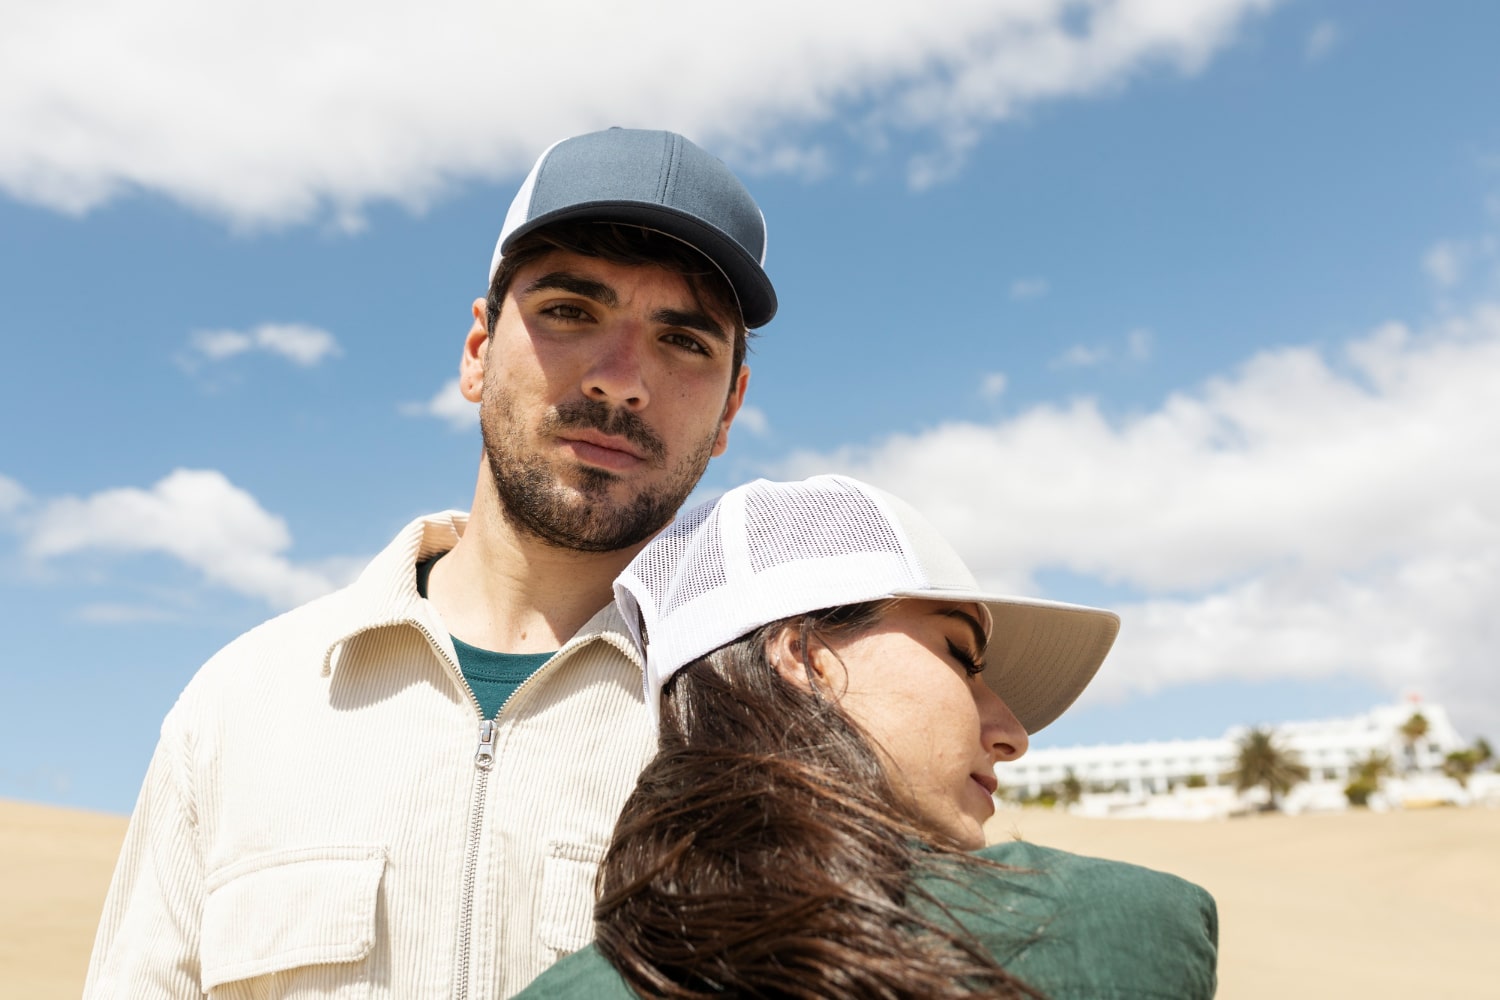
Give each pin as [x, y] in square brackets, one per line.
[913, 684]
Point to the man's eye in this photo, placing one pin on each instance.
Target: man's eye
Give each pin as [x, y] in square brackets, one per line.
[564, 310]
[686, 342]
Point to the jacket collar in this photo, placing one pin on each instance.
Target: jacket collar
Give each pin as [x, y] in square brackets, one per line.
[385, 594]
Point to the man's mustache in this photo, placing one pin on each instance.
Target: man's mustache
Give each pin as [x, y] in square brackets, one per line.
[606, 419]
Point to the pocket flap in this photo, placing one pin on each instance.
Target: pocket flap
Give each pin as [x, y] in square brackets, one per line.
[288, 909]
[567, 921]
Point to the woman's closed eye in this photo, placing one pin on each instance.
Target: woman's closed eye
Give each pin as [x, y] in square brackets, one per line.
[968, 659]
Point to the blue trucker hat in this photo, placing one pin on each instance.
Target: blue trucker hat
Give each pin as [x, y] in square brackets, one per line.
[659, 181]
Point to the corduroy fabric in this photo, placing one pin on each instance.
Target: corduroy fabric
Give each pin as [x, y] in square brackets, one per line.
[304, 827]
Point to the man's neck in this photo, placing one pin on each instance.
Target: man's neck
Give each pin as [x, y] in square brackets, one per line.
[509, 592]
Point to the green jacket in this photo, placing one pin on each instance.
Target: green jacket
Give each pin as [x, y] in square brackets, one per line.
[1075, 928]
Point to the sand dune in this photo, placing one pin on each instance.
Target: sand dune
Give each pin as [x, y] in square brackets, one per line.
[55, 866]
[1361, 905]
[1355, 904]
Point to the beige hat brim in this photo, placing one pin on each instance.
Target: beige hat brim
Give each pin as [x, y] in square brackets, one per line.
[1041, 654]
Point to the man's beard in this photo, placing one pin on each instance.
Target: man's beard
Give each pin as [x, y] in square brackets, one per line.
[537, 503]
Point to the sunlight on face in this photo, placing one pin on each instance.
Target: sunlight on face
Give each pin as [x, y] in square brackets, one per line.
[913, 683]
[605, 391]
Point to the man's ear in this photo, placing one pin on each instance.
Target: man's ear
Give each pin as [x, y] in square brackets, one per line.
[476, 353]
[731, 407]
[802, 667]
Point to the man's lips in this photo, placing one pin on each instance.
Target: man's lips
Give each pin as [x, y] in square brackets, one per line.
[989, 782]
[605, 450]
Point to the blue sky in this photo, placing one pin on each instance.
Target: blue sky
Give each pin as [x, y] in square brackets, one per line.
[1189, 309]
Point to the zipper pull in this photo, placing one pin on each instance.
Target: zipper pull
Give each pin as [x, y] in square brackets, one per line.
[484, 757]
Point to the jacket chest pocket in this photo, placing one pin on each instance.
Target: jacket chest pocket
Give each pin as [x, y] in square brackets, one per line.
[293, 923]
[567, 897]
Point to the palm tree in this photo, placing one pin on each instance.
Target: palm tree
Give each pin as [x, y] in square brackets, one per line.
[1263, 763]
[1071, 789]
[1366, 776]
[1374, 767]
[1483, 751]
[1460, 765]
[1412, 731]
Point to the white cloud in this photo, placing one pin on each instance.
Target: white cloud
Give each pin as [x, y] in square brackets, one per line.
[12, 495]
[1138, 344]
[1469, 265]
[1444, 263]
[1321, 40]
[199, 518]
[753, 420]
[994, 385]
[267, 112]
[1305, 515]
[122, 614]
[216, 345]
[1079, 356]
[449, 404]
[299, 343]
[1028, 288]
[43, 781]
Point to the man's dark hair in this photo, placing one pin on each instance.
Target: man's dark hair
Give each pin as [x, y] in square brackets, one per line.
[634, 247]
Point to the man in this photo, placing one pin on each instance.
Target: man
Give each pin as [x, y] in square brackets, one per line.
[403, 789]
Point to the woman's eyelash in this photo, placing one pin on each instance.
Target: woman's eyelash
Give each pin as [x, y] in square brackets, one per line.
[971, 663]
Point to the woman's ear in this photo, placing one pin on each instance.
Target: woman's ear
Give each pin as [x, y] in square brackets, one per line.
[790, 659]
[784, 651]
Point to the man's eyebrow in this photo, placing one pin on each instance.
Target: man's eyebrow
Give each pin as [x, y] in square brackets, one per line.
[605, 295]
[699, 321]
[566, 282]
[981, 641]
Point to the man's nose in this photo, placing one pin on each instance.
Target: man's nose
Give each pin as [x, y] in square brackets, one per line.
[616, 373]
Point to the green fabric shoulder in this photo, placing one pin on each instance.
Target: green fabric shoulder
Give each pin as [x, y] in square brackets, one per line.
[583, 975]
[1074, 927]
[1080, 928]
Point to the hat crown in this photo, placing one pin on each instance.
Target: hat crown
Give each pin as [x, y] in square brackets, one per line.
[769, 551]
[657, 180]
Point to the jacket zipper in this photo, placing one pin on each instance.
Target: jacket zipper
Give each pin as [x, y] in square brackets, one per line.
[484, 759]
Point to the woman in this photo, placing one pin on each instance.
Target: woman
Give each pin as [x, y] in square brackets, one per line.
[834, 693]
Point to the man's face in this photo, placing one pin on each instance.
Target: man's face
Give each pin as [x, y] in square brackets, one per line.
[605, 391]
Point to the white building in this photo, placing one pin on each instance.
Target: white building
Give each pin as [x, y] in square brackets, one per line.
[1189, 777]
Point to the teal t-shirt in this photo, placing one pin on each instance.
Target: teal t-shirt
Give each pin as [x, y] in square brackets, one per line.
[493, 677]
[1073, 927]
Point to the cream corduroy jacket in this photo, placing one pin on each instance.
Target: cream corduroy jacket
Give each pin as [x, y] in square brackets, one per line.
[326, 815]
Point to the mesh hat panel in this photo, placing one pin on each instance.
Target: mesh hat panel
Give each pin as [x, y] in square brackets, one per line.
[767, 551]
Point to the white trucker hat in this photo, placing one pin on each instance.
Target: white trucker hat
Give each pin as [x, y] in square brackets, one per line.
[766, 551]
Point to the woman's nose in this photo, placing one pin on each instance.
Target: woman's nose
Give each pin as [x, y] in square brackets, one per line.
[1002, 732]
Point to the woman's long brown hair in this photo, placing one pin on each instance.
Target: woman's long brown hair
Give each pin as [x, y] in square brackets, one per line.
[762, 853]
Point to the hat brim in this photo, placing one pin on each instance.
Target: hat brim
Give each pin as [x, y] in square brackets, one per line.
[757, 298]
[1041, 654]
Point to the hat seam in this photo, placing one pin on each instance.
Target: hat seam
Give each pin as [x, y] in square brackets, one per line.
[669, 174]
